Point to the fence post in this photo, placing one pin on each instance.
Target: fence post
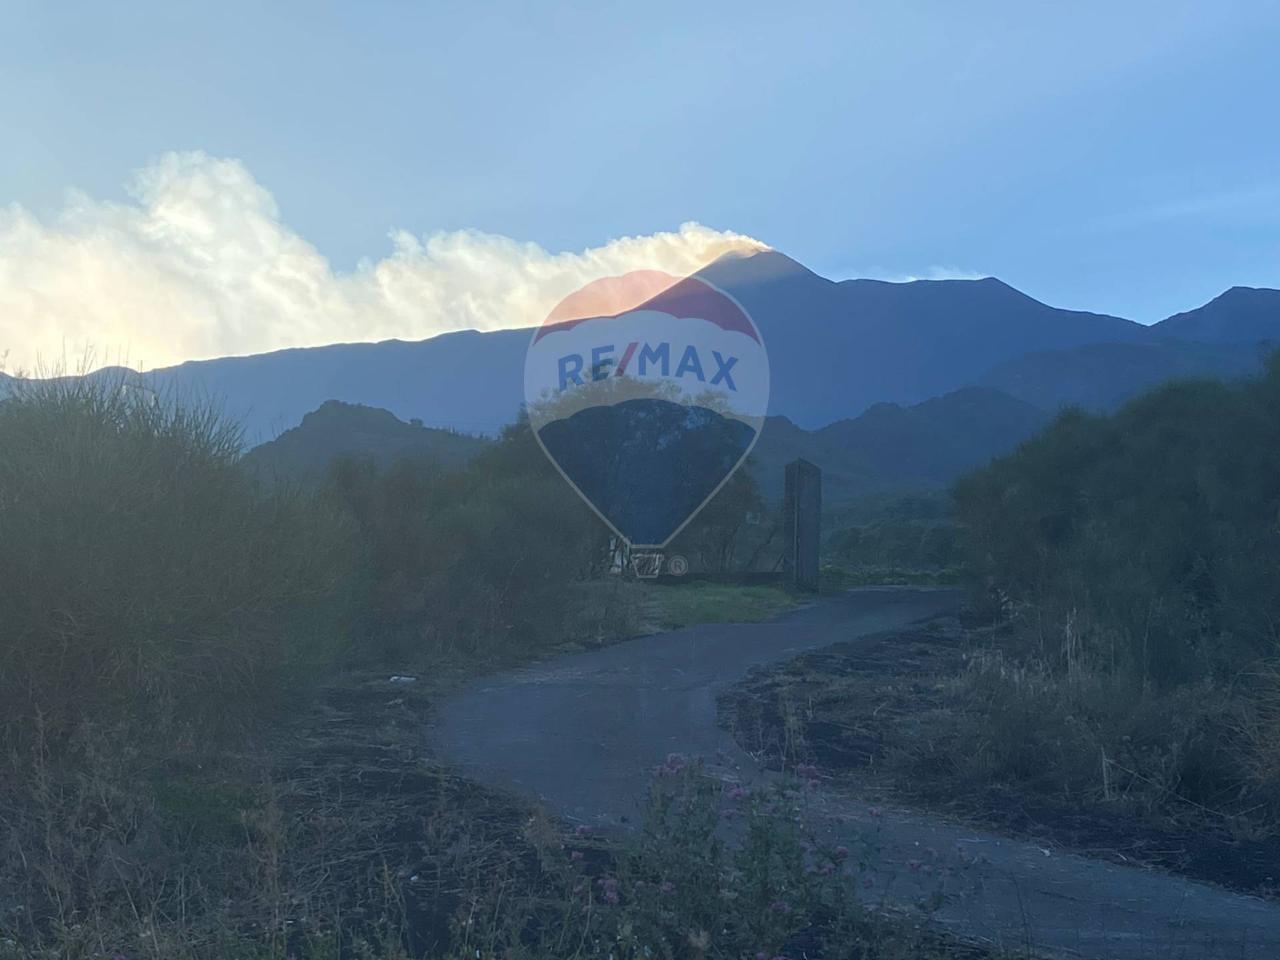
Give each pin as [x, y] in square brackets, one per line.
[802, 524]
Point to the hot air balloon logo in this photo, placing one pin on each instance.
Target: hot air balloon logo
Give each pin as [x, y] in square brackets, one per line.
[647, 391]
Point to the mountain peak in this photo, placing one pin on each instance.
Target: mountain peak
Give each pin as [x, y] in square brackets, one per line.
[1237, 315]
[754, 268]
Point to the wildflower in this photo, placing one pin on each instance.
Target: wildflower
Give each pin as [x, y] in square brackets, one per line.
[583, 830]
[738, 793]
[780, 906]
[914, 866]
[667, 886]
[842, 853]
[576, 855]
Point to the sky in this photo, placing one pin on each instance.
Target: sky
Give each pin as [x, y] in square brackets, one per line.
[189, 180]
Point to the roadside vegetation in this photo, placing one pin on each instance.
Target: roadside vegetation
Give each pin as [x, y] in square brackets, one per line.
[703, 601]
[893, 538]
[1136, 562]
[203, 754]
[1115, 684]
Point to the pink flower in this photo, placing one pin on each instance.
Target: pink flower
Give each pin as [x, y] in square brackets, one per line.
[842, 853]
[780, 906]
[914, 866]
[582, 830]
[667, 886]
[738, 793]
[576, 855]
[867, 883]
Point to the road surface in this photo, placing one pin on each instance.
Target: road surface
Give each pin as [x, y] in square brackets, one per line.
[582, 734]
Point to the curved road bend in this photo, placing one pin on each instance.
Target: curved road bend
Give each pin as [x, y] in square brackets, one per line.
[583, 732]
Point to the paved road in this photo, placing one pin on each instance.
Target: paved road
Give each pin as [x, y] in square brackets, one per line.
[582, 734]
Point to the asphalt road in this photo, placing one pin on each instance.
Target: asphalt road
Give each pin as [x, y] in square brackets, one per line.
[582, 734]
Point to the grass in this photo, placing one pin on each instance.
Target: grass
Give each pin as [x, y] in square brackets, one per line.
[673, 607]
[355, 847]
[942, 716]
[839, 577]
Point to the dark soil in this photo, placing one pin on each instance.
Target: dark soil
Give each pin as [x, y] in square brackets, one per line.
[393, 830]
[391, 823]
[846, 709]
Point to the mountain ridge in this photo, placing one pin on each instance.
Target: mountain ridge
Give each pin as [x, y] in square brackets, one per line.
[836, 348]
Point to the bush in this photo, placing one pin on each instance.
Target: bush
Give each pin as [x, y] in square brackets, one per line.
[1090, 739]
[472, 564]
[1137, 557]
[144, 576]
[1155, 530]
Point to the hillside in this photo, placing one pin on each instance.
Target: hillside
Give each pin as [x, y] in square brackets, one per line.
[1102, 376]
[891, 342]
[892, 447]
[889, 447]
[1239, 315]
[303, 454]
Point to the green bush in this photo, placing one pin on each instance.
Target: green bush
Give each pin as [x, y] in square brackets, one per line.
[144, 578]
[1138, 556]
[471, 564]
[1154, 529]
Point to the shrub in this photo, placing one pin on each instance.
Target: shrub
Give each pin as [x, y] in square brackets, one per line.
[471, 564]
[144, 576]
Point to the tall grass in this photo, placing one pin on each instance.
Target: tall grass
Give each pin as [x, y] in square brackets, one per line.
[143, 578]
[1137, 557]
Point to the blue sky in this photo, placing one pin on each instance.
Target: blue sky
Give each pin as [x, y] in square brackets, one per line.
[1114, 157]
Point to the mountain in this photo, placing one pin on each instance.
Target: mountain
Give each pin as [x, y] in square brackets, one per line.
[835, 348]
[1240, 315]
[304, 453]
[894, 447]
[889, 447]
[1101, 376]
[467, 381]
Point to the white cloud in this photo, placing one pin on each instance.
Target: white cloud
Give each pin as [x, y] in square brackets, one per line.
[934, 273]
[199, 265]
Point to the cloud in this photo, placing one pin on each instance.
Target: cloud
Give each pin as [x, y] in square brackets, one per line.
[198, 264]
[936, 273]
